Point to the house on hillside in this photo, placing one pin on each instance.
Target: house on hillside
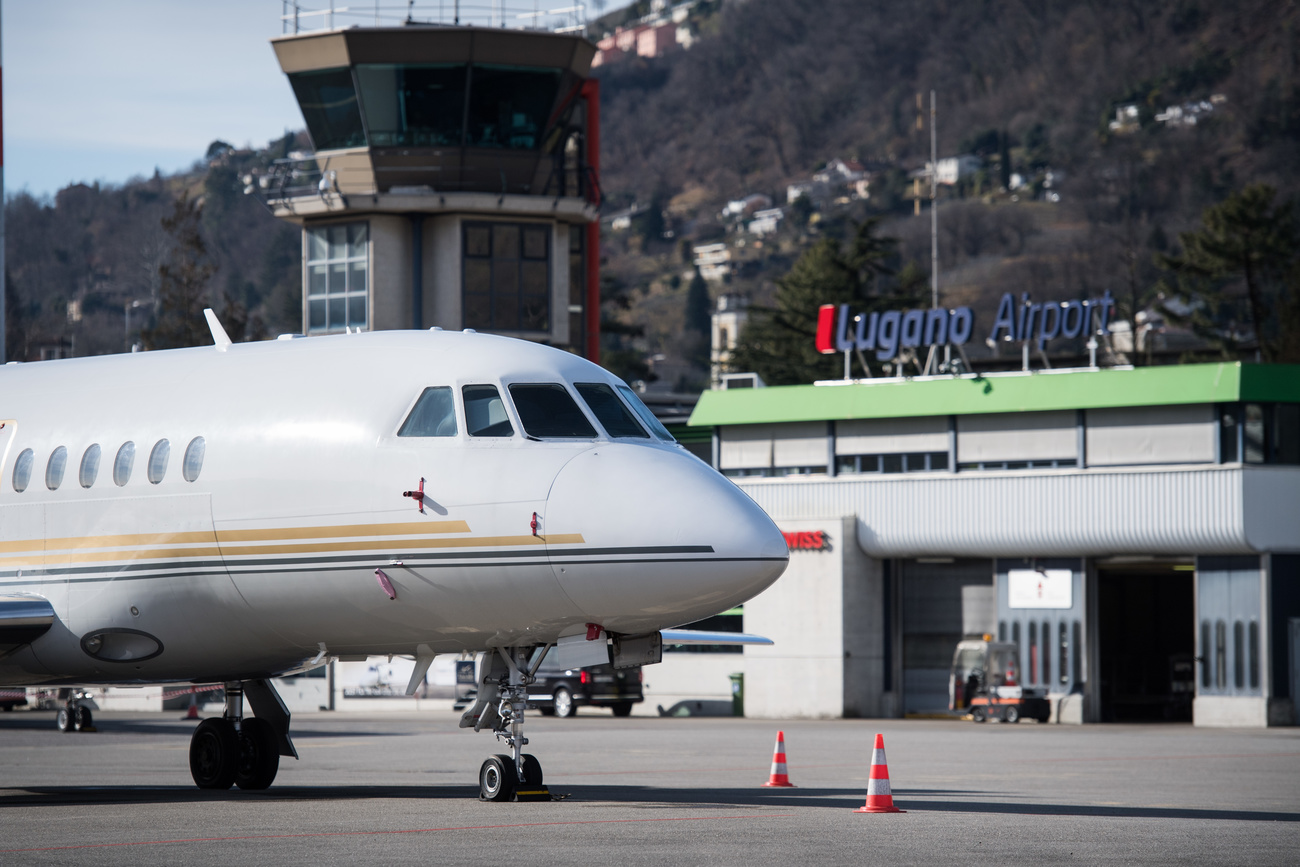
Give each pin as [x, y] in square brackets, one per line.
[840, 173]
[713, 260]
[766, 222]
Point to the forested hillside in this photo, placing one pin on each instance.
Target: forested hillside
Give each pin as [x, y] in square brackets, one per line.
[767, 94]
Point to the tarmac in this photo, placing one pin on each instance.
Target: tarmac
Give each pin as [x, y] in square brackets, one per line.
[402, 788]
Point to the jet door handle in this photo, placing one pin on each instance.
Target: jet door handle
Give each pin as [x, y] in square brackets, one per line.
[417, 495]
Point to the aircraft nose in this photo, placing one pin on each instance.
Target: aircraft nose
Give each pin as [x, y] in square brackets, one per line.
[666, 540]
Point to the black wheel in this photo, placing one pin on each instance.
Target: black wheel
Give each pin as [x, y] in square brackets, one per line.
[259, 754]
[64, 720]
[564, 703]
[1011, 714]
[1044, 717]
[532, 772]
[978, 714]
[214, 754]
[496, 779]
[623, 708]
[547, 711]
[82, 720]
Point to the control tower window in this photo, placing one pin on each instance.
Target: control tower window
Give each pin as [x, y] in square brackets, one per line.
[329, 106]
[510, 105]
[337, 270]
[413, 106]
[507, 276]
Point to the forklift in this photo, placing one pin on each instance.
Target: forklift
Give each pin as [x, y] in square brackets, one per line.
[985, 682]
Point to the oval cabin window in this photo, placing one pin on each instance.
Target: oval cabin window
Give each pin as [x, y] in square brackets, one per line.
[193, 463]
[89, 466]
[162, 450]
[123, 463]
[23, 470]
[54, 469]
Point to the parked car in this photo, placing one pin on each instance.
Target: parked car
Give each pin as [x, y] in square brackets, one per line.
[561, 691]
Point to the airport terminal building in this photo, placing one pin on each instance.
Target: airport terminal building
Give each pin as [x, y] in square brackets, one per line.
[1135, 532]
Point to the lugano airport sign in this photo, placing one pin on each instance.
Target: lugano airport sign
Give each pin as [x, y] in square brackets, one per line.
[841, 330]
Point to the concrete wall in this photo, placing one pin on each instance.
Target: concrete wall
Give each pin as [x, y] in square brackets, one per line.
[442, 284]
[687, 677]
[802, 675]
[864, 629]
[390, 272]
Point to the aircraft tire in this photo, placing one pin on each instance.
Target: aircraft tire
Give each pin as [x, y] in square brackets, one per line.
[563, 701]
[64, 720]
[214, 754]
[496, 779]
[532, 771]
[82, 719]
[259, 755]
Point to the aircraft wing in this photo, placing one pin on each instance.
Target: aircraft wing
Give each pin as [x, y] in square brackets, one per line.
[698, 636]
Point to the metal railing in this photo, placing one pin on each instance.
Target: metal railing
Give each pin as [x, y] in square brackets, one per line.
[509, 14]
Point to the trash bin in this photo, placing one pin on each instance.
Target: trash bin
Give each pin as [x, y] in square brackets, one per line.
[737, 694]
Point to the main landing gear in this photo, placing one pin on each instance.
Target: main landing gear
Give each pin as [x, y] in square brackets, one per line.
[244, 752]
[502, 699]
[74, 716]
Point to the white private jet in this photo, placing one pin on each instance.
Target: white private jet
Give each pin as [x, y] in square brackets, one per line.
[233, 513]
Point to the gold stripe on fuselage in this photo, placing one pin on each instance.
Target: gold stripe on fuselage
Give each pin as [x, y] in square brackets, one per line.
[206, 537]
[386, 546]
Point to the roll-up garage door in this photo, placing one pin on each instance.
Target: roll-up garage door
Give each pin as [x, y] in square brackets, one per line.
[932, 626]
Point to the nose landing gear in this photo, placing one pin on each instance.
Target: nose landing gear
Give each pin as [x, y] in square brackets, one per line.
[502, 699]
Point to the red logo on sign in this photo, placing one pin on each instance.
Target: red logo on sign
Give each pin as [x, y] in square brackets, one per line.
[814, 540]
[825, 327]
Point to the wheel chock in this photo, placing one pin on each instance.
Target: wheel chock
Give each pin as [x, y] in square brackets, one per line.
[533, 793]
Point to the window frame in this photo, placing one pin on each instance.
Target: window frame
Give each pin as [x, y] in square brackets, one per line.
[517, 262]
[329, 263]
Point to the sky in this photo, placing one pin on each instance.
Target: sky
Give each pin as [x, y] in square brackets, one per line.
[105, 90]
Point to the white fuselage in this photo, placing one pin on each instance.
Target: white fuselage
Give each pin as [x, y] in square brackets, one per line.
[269, 556]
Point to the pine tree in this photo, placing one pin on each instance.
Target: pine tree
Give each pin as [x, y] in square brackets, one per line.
[779, 343]
[1247, 245]
[183, 282]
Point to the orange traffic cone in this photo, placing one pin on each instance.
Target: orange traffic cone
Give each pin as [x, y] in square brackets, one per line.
[193, 712]
[879, 798]
[780, 777]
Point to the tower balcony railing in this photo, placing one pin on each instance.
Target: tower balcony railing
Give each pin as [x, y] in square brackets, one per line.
[507, 14]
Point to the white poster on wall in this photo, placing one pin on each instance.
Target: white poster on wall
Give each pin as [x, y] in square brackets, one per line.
[1040, 588]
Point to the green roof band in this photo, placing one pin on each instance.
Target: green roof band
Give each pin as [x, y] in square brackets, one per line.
[1020, 392]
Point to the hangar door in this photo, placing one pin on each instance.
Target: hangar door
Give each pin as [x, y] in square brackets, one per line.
[932, 625]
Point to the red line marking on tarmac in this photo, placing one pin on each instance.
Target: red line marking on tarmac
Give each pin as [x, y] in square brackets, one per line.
[1199, 757]
[383, 833]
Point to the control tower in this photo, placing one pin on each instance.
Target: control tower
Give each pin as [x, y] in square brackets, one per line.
[454, 178]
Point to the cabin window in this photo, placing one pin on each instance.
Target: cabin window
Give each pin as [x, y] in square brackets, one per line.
[54, 469]
[609, 410]
[162, 450]
[337, 271]
[193, 463]
[23, 470]
[485, 412]
[89, 466]
[546, 410]
[507, 276]
[123, 464]
[638, 407]
[434, 415]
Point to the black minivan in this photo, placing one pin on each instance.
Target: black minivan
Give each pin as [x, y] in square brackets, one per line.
[561, 691]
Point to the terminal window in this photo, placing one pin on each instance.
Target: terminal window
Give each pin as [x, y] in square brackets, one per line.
[507, 276]
[337, 277]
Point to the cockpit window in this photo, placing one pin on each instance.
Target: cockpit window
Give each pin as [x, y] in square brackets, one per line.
[546, 410]
[485, 412]
[609, 410]
[646, 415]
[434, 415]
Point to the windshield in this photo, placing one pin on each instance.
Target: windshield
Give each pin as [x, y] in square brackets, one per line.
[485, 412]
[646, 415]
[434, 415]
[609, 410]
[546, 410]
